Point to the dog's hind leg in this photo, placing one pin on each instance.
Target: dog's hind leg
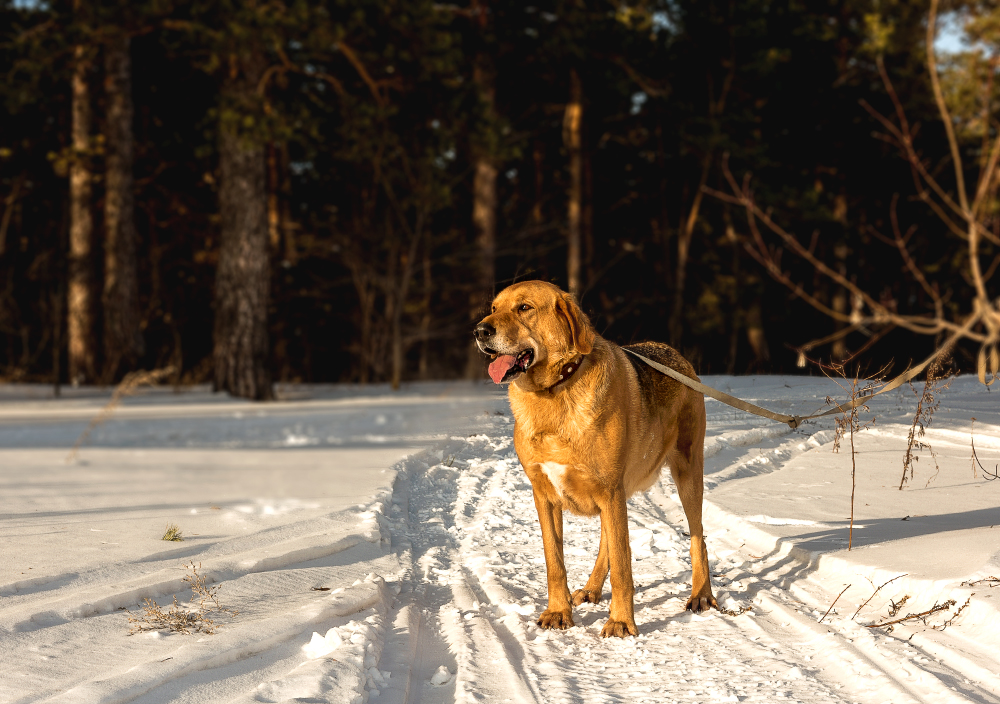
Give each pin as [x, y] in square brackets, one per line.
[687, 466]
[559, 613]
[592, 591]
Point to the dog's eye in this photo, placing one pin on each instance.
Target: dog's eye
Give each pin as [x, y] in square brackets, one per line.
[523, 307]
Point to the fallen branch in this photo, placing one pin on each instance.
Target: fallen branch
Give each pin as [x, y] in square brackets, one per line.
[834, 602]
[912, 617]
[874, 593]
[988, 581]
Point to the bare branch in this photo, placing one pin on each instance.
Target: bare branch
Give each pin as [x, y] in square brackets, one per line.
[912, 265]
[949, 128]
[920, 324]
[835, 602]
[912, 617]
[874, 593]
[352, 57]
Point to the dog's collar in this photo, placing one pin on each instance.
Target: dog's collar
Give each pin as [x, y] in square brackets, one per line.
[568, 370]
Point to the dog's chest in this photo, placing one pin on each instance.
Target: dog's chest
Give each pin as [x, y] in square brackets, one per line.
[556, 474]
[560, 471]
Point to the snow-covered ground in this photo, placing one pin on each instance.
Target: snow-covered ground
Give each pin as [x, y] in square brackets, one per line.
[383, 547]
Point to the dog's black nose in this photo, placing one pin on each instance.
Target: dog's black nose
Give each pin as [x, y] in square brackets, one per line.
[484, 331]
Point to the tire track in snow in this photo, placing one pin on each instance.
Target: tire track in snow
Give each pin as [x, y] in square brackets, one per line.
[500, 583]
[495, 569]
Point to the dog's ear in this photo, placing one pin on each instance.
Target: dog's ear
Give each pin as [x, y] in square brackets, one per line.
[581, 332]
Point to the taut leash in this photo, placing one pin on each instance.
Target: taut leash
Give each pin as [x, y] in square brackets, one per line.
[793, 421]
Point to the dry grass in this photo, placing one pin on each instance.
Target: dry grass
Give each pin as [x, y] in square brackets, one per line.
[850, 422]
[173, 533]
[938, 380]
[194, 617]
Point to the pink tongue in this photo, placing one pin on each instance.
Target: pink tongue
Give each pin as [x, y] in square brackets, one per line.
[500, 366]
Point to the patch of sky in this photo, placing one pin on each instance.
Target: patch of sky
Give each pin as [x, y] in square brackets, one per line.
[952, 37]
[447, 155]
[663, 22]
[638, 100]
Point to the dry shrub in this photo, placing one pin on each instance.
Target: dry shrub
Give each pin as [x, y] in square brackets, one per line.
[938, 380]
[194, 617]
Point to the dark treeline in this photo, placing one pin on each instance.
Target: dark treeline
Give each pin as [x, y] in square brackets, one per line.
[332, 191]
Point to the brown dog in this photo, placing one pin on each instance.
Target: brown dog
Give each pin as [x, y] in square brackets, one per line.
[592, 426]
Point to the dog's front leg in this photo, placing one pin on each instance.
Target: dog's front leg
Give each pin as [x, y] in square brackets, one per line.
[559, 614]
[591, 591]
[614, 522]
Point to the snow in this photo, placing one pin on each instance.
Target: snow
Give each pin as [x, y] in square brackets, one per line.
[382, 546]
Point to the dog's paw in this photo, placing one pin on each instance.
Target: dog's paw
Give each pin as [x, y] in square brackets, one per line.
[555, 619]
[586, 596]
[701, 603]
[618, 629]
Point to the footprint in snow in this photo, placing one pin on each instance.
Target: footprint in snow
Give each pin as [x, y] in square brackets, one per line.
[442, 676]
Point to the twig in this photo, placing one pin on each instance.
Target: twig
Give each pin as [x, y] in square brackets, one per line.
[873, 595]
[352, 57]
[987, 475]
[972, 438]
[735, 612]
[909, 617]
[834, 602]
[956, 614]
[896, 606]
[988, 581]
[128, 385]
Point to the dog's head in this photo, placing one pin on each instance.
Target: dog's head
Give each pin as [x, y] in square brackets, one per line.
[533, 330]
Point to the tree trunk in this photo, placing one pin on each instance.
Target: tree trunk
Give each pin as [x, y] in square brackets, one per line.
[587, 223]
[538, 155]
[716, 107]
[572, 122]
[838, 352]
[402, 293]
[756, 337]
[425, 320]
[683, 252]
[80, 305]
[273, 199]
[242, 279]
[484, 216]
[123, 343]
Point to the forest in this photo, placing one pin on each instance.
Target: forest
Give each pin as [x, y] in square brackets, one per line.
[247, 193]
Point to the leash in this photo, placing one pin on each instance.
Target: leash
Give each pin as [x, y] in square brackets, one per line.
[792, 420]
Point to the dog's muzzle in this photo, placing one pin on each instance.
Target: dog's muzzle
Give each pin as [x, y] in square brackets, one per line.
[483, 333]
